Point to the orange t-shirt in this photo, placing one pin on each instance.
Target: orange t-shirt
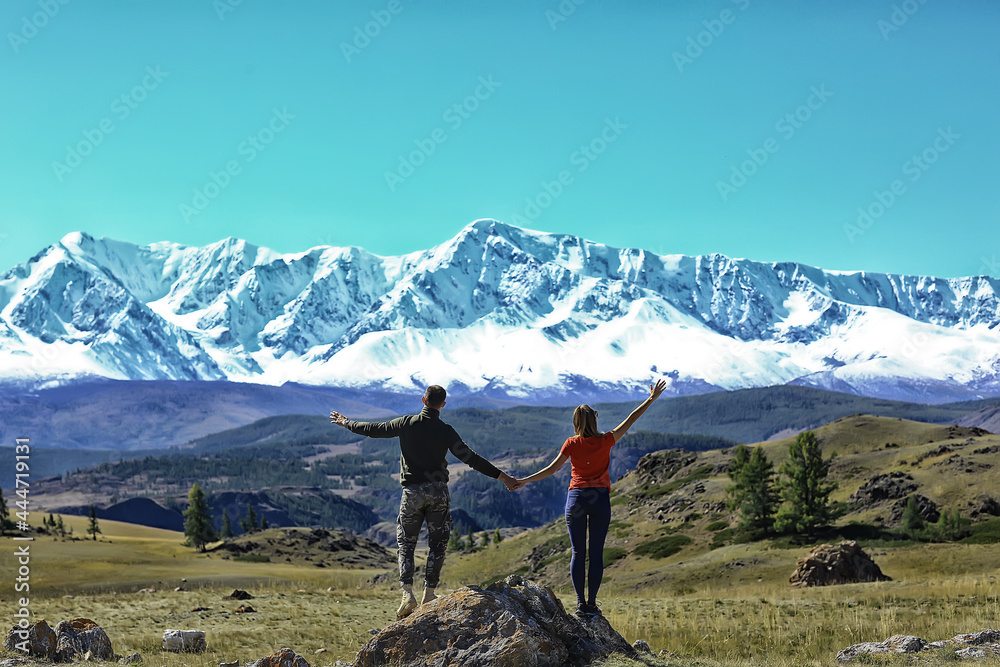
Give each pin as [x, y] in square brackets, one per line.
[589, 459]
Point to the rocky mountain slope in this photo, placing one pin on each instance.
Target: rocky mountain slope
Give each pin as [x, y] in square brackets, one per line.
[496, 310]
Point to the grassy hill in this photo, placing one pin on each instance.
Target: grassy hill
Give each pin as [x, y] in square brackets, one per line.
[701, 593]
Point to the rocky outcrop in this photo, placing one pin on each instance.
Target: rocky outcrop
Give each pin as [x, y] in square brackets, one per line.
[926, 508]
[238, 594]
[285, 657]
[881, 488]
[983, 506]
[829, 564]
[512, 622]
[82, 639]
[974, 645]
[37, 640]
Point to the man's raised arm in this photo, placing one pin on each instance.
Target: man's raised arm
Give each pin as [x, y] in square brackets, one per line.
[389, 429]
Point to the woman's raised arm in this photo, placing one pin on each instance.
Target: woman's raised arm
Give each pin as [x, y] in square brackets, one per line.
[654, 393]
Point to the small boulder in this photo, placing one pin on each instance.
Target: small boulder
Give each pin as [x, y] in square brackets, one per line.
[894, 644]
[984, 505]
[245, 609]
[146, 590]
[38, 638]
[512, 622]
[131, 658]
[828, 564]
[641, 646]
[82, 639]
[184, 640]
[238, 594]
[285, 657]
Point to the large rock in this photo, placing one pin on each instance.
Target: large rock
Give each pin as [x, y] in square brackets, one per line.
[285, 657]
[894, 644]
[829, 564]
[82, 639]
[38, 638]
[513, 623]
[880, 488]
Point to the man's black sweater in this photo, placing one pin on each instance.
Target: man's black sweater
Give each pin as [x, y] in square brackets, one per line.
[423, 442]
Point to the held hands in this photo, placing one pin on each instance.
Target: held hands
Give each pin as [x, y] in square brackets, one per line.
[337, 418]
[511, 483]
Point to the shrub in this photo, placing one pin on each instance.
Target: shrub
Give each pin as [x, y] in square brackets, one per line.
[663, 547]
[716, 526]
[611, 554]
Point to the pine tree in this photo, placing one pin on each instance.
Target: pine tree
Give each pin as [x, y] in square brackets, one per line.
[198, 519]
[92, 527]
[60, 526]
[264, 525]
[752, 494]
[50, 521]
[227, 526]
[497, 538]
[913, 522]
[471, 540]
[454, 542]
[249, 522]
[5, 522]
[804, 488]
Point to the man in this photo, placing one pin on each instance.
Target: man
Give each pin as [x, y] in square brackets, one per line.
[423, 471]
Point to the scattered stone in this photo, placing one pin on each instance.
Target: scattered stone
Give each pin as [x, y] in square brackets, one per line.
[669, 655]
[184, 640]
[881, 488]
[40, 638]
[828, 564]
[926, 507]
[641, 646]
[238, 594]
[131, 658]
[202, 609]
[15, 662]
[82, 638]
[993, 449]
[959, 464]
[512, 622]
[285, 657]
[245, 609]
[146, 590]
[319, 650]
[179, 589]
[974, 645]
[229, 664]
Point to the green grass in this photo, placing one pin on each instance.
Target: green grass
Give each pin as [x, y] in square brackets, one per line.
[987, 532]
[716, 526]
[253, 558]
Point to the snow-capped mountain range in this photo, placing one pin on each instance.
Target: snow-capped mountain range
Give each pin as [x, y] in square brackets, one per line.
[497, 309]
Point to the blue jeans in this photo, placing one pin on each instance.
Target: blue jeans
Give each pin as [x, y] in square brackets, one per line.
[585, 506]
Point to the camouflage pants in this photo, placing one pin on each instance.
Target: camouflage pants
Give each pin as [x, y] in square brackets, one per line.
[429, 501]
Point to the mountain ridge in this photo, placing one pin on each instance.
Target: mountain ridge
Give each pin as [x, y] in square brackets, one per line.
[497, 310]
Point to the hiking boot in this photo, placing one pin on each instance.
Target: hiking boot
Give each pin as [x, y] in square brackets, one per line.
[407, 606]
[584, 610]
[428, 595]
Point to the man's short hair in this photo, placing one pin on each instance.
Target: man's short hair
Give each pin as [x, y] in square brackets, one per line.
[435, 396]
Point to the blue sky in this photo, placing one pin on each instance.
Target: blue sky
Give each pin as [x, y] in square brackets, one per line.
[751, 128]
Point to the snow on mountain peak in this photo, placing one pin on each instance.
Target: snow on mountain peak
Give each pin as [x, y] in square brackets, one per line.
[497, 308]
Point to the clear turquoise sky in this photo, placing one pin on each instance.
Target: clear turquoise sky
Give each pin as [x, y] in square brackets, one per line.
[675, 121]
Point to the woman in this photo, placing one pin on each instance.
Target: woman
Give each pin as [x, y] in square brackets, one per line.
[589, 453]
